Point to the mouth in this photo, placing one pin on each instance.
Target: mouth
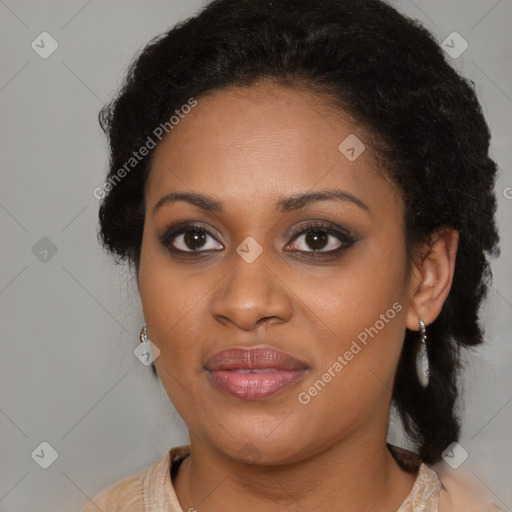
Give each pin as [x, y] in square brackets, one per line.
[254, 373]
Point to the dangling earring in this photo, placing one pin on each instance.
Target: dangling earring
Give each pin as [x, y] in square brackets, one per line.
[147, 351]
[144, 334]
[422, 366]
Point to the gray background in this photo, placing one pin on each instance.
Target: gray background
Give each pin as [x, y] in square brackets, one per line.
[71, 320]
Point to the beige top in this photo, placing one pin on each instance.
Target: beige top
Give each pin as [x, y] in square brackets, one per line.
[151, 490]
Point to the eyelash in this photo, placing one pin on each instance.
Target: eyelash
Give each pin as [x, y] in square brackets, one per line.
[341, 235]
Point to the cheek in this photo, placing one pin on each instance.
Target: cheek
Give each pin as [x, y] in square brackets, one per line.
[173, 318]
[352, 296]
[163, 298]
[353, 380]
[360, 316]
[167, 297]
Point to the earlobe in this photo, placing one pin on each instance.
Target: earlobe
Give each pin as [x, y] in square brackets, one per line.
[432, 276]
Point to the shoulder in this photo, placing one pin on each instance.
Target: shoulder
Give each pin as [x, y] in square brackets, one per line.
[140, 491]
[449, 491]
[426, 490]
[126, 494]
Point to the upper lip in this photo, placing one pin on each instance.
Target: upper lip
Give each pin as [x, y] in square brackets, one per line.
[260, 357]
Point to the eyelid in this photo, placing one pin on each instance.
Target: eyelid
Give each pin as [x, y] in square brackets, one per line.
[312, 224]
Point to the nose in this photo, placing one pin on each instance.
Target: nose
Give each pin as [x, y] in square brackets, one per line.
[251, 295]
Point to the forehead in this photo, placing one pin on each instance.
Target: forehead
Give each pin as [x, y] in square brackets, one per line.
[256, 142]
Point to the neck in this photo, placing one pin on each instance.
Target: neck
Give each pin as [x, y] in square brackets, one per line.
[354, 474]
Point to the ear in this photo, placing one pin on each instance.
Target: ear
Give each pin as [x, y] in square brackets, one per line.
[431, 277]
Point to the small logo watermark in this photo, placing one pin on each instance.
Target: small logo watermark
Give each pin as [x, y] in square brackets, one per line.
[351, 147]
[454, 45]
[249, 249]
[249, 453]
[454, 455]
[45, 455]
[44, 45]
[44, 250]
[146, 352]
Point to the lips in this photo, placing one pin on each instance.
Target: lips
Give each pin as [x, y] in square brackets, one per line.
[254, 373]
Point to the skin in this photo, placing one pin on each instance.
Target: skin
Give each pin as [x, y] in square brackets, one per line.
[463, 492]
[248, 148]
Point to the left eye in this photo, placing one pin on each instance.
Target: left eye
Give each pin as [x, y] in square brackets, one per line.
[317, 239]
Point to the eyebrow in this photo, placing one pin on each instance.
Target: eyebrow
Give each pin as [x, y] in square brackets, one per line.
[284, 205]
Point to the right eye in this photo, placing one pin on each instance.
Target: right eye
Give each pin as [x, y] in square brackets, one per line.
[190, 238]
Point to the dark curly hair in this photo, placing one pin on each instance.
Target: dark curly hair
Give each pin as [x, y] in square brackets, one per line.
[388, 72]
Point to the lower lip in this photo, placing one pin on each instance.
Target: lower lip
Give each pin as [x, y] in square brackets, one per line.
[255, 386]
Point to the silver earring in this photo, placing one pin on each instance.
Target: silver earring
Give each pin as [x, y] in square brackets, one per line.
[144, 334]
[145, 350]
[422, 366]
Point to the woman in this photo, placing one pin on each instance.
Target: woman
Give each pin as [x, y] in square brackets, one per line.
[305, 194]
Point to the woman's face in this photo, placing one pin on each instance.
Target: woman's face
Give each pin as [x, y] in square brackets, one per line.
[308, 289]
